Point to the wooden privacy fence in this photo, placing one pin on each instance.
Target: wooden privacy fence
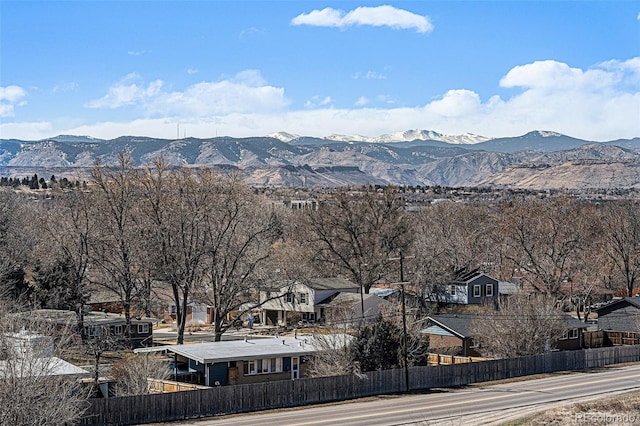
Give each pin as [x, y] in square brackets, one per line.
[245, 398]
[439, 359]
[159, 386]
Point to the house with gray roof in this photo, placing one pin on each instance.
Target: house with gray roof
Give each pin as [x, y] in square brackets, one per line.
[259, 359]
[454, 333]
[468, 288]
[621, 314]
[304, 299]
[449, 333]
[97, 324]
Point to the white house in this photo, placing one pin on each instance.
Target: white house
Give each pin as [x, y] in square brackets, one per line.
[304, 298]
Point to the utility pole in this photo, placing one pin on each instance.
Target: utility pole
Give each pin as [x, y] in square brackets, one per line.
[404, 327]
[405, 356]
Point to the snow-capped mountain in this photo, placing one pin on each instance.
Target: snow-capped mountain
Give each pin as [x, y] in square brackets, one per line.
[538, 159]
[411, 135]
[283, 136]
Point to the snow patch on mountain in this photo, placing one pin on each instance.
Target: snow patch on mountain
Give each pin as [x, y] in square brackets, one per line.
[411, 135]
[283, 136]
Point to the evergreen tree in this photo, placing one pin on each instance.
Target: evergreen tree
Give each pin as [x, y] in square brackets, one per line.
[376, 346]
[55, 288]
[14, 287]
[33, 183]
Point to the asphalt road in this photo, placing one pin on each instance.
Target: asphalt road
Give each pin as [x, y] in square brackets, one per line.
[492, 404]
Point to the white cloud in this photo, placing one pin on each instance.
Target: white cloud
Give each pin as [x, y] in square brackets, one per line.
[378, 16]
[245, 92]
[317, 101]
[369, 75]
[12, 93]
[121, 95]
[10, 97]
[601, 102]
[65, 87]
[192, 71]
[362, 101]
[455, 103]
[249, 32]
[138, 52]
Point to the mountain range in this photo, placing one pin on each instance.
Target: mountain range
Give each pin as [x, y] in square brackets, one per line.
[536, 160]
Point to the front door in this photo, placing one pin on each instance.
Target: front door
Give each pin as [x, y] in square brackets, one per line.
[295, 368]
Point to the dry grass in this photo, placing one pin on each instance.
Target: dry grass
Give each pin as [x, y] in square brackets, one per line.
[622, 409]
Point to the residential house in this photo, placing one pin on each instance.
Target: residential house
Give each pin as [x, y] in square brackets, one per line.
[451, 334]
[573, 336]
[346, 308]
[30, 355]
[454, 333]
[468, 288]
[620, 314]
[97, 324]
[253, 360]
[197, 313]
[304, 299]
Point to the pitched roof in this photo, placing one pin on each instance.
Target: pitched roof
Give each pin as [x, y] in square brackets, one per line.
[460, 324]
[620, 315]
[633, 301]
[372, 303]
[464, 276]
[456, 324]
[573, 322]
[335, 283]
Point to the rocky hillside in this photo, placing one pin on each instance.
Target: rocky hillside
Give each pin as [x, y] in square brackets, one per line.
[535, 160]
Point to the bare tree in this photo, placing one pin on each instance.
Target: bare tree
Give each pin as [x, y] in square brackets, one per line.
[176, 203]
[621, 237]
[239, 234]
[16, 241]
[133, 372]
[544, 240]
[70, 226]
[359, 236]
[450, 237]
[117, 249]
[333, 356]
[524, 325]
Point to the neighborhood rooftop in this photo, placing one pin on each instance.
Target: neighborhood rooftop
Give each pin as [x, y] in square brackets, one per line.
[232, 350]
[335, 283]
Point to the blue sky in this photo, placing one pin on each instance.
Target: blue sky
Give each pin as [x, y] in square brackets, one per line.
[251, 68]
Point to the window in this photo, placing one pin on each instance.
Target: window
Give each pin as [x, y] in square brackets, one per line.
[476, 291]
[143, 328]
[453, 290]
[570, 334]
[288, 297]
[489, 290]
[117, 329]
[303, 298]
[263, 366]
[94, 331]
